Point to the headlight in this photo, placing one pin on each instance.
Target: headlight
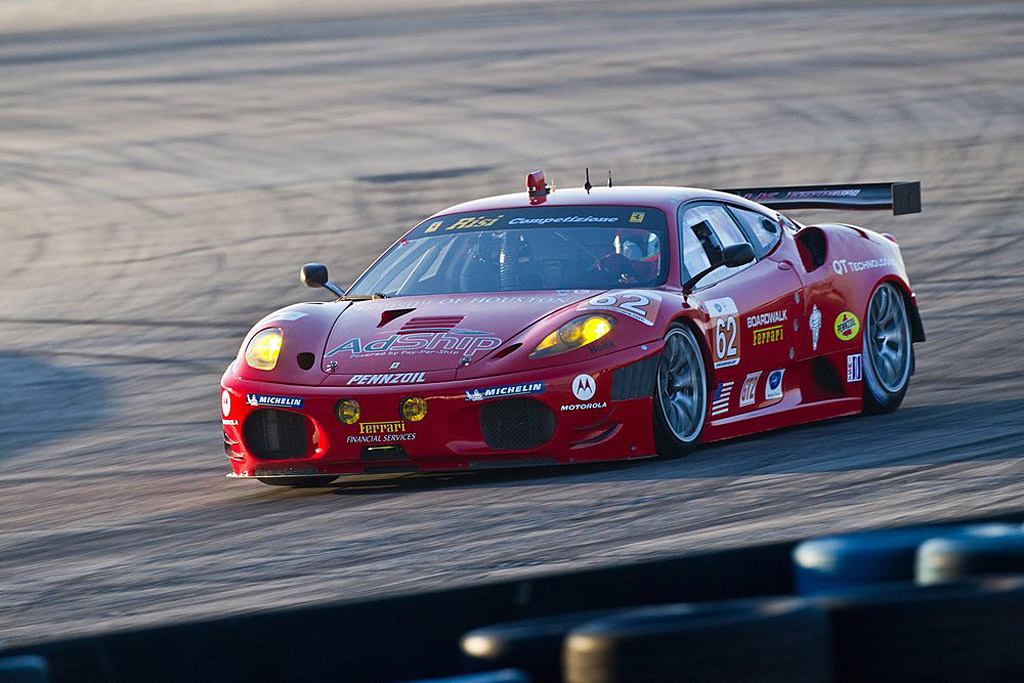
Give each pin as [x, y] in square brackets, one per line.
[347, 410]
[414, 408]
[264, 348]
[574, 334]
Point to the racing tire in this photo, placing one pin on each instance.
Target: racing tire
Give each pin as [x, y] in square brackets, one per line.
[680, 394]
[531, 645]
[297, 482]
[970, 631]
[763, 640]
[865, 558]
[941, 560]
[888, 350]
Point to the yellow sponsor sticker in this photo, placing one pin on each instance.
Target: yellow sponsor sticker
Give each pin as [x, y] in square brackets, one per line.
[637, 217]
[847, 326]
[381, 427]
[434, 226]
[766, 335]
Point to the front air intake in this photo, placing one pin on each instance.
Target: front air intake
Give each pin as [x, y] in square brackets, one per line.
[516, 424]
[271, 434]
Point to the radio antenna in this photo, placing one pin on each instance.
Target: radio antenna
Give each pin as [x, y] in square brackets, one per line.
[609, 177]
[587, 185]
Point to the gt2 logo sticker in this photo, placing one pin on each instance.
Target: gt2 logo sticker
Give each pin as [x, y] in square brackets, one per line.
[748, 393]
[727, 331]
[456, 341]
[640, 306]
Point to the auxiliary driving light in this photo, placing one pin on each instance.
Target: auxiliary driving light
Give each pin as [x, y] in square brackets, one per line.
[347, 410]
[414, 408]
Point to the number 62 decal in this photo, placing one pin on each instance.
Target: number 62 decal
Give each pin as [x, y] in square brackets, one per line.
[727, 332]
[640, 306]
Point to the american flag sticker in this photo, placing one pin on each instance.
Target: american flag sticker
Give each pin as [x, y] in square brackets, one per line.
[720, 403]
[854, 367]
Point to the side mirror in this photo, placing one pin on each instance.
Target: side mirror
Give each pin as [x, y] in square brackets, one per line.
[735, 255]
[732, 256]
[315, 275]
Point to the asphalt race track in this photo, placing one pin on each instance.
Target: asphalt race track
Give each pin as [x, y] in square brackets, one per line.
[162, 182]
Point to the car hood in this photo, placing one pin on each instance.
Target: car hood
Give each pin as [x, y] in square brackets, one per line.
[391, 341]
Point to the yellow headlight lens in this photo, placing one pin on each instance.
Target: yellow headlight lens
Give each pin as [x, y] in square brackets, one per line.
[574, 334]
[347, 411]
[264, 348]
[414, 408]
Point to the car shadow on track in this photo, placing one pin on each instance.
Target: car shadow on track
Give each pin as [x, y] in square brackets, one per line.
[912, 436]
[41, 402]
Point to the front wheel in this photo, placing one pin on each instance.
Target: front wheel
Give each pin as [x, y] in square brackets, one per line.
[888, 351]
[680, 394]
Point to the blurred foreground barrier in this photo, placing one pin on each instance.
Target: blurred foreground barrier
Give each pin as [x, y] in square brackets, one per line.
[533, 645]
[399, 638]
[764, 640]
[24, 669]
[502, 676]
[871, 557]
[947, 559]
[955, 632]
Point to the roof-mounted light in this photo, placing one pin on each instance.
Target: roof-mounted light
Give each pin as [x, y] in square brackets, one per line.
[537, 187]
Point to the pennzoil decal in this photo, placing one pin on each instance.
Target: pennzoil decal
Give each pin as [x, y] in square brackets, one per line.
[847, 326]
[641, 306]
[389, 378]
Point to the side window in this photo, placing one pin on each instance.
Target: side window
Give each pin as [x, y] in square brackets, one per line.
[762, 228]
[706, 230]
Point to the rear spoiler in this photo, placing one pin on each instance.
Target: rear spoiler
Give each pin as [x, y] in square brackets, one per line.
[902, 197]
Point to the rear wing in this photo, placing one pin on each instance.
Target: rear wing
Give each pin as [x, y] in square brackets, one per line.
[902, 197]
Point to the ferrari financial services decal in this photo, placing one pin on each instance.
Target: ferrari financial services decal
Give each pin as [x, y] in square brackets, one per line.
[409, 436]
[748, 393]
[720, 404]
[773, 387]
[727, 331]
[854, 367]
[381, 427]
[638, 305]
[847, 326]
[507, 390]
[278, 401]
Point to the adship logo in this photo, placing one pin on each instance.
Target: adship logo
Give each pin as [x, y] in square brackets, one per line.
[583, 387]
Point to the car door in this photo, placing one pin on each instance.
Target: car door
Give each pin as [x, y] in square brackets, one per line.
[751, 310]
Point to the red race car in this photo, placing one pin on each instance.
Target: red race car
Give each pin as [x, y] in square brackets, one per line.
[584, 325]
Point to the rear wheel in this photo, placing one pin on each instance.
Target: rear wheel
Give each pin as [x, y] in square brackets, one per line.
[888, 351]
[680, 394]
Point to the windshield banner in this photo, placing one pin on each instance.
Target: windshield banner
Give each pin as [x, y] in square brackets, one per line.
[551, 217]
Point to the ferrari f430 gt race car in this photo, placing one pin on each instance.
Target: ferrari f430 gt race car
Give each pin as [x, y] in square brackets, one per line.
[584, 325]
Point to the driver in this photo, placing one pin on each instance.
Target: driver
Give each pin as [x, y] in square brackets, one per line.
[633, 258]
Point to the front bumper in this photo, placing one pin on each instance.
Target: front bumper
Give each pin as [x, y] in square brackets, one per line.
[302, 436]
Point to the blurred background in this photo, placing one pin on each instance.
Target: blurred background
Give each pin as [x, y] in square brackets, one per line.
[168, 166]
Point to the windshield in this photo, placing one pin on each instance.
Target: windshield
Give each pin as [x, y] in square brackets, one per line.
[585, 247]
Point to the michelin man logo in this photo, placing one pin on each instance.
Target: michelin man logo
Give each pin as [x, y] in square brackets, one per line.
[815, 324]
